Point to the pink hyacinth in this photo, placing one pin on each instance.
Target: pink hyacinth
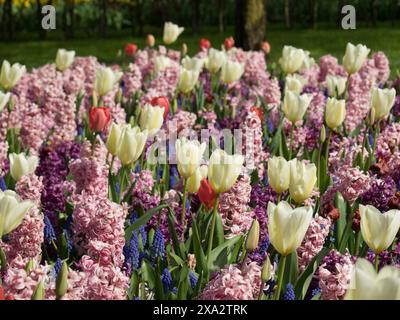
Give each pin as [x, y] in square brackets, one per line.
[335, 275]
[233, 283]
[388, 141]
[132, 80]
[329, 66]
[233, 207]
[313, 241]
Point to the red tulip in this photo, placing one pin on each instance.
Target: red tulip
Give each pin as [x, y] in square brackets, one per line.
[1, 293]
[150, 40]
[206, 194]
[205, 44]
[259, 112]
[130, 49]
[99, 118]
[229, 43]
[265, 46]
[161, 102]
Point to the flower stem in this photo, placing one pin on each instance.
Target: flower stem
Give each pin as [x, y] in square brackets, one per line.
[184, 201]
[291, 141]
[211, 236]
[376, 262]
[281, 271]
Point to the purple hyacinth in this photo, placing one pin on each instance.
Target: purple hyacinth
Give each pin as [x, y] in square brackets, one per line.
[380, 193]
[158, 246]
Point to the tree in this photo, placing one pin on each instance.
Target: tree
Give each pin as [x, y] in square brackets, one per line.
[196, 16]
[69, 19]
[103, 18]
[250, 23]
[288, 13]
[8, 20]
[313, 9]
[221, 13]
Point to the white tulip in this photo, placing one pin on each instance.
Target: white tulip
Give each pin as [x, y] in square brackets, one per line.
[193, 182]
[151, 118]
[215, 60]
[382, 102]
[367, 284]
[379, 229]
[4, 98]
[292, 59]
[302, 180]
[223, 170]
[193, 64]
[335, 112]
[278, 174]
[132, 144]
[287, 226]
[21, 165]
[10, 75]
[187, 80]
[189, 154]
[171, 32]
[161, 63]
[336, 85]
[114, 138]
[64, 59]
[106, 78]
[295, 83]
[231, 71]
[12, 211]
[295, 105]
[354, 57]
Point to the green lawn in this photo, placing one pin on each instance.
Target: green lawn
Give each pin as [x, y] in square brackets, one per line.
[34, 53]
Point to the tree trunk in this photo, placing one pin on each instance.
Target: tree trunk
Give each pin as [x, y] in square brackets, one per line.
[196, 16]
[250, 23]
[41, 32]
[139, 17]
[69, 19]
[374, 11]
[313, 4]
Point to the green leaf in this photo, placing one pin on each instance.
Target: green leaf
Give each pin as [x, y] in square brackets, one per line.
[198, 250]
[174, 236]
[219, 232]
[340, 204]
[183, 285]
[142, 220]
[305, 278]
[221, 255]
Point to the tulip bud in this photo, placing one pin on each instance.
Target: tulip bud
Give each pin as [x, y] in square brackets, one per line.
[99, 118]
[132, 144]
[354, 57]
[382, 101]
[231, 71]
[130, 49]
[335, 112]
[223, 170]
[151, 236]
[184, 49]
[322, 134]
[266, 47]
[10, 75]
[39, 293]
[266, 270]
[205, 44]
[253, 236]
[21, 165]
[229, 43]
[62, 281]
[150, 40]
[292, 59]
[171, 32]
[161, 102]
[3, 260]
[64, 59]
[372, 116]
[187, 80]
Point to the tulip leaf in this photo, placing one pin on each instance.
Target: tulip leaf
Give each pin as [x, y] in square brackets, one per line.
[283, 150]
[219, 232]
[183, 285]
[198, 250]
[340, 204]
[305, 278]
[174, 235]
[142, 220]
[221, 255]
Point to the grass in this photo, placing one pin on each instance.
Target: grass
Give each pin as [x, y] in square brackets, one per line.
[34, 53]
